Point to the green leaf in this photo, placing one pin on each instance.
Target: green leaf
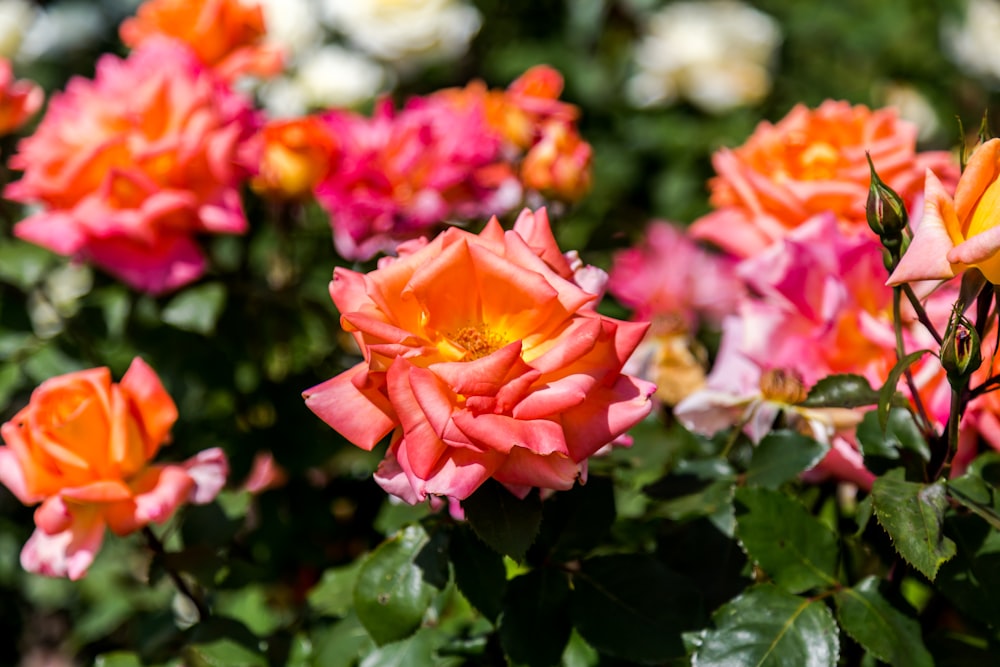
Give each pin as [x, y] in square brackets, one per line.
[793, 547]
[767, 627]
[782, 455]
[841, 391]
[534, 624]
[392, 594]
[251, 606]
[502, 520]
[479, 571]
[899, 433]
[332, 595]
[118, 659]
[196, 309]
[913, 515]
[972, 578]
[342, 644]
[888, 390]
[415, 651]
[576, 521]
[632, 607]
[884, 631]
[223, 653]
[977, 490]
[23, 264]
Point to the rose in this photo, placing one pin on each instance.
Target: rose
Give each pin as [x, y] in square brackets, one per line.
[484, 359]
[82, 448]
[812, 162]
[130, 166]
[19, 100]
[296, 156]
[960, 232]
[226, 35]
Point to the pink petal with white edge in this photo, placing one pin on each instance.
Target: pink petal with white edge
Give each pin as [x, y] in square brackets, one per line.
[208, 470]
[927, 256]
[59, 232]
[68, 553]
[167, 488]
[12, 476]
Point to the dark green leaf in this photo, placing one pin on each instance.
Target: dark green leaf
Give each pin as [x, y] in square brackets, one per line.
[913, 515]
[767, 627]
[391, 594]
[888, 390]
[884, 631]
[196, 309]
[793, 547]
[534, 624]
[502, 520]
[575, 521]
[782, 455]
[900, 433]
[342, 644]
[223, 653]
[479, 571]
[632, 607]
[971, 579]
[976, 490]
[414, 651]
[841, 391]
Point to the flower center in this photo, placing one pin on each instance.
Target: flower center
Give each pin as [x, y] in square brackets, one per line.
[782, 386]
[478, 341]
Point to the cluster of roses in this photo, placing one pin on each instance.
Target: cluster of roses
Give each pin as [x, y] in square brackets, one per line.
[799, 289]
[457, 154]
[484, 355]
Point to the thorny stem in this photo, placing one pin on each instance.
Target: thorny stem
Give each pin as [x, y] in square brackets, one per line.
[182, 587]
[901, 352]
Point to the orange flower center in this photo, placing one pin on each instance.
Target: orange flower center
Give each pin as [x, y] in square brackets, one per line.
[782, 386]
[478, 341]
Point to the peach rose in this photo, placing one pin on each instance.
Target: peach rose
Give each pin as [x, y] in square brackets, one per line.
[559, 164]
[19, 100]
[130, 166]
[958, 233]
[82, 448]
[227, 35]
[812, 162]
[483, 359]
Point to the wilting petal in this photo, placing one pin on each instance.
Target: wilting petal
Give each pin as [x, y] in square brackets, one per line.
[208, 469]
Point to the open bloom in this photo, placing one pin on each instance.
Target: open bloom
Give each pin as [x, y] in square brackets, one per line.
[960, 232]
[227, 35]
[812, 162]
[82, 448]
[296, 155]
[131, 166]
[483, 359]
[19, 100]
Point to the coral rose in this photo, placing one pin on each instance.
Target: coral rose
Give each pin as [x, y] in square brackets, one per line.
[19, 100]
[227, 35]
[958, 233]
[484, 359]
[82, 448]
[812, 162]
[130, 166]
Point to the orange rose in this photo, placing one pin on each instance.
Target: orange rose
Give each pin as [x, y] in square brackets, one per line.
[82, 448]
[484, 358]
[129, 167]
[19, 100]
[559, 164]
[812, 162]
[227, 35]
[297, 154]
[960, 232]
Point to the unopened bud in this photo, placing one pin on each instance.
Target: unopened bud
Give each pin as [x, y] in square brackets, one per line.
[885, 210]
[960, 351]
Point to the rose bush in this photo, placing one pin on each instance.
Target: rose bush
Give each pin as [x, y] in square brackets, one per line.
[82, 448]
[129, 167]
[484, 359]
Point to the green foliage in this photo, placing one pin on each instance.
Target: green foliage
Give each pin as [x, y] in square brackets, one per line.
[884, 631]
[782, 455]
[841, 391]
[913, 515]
[502, 520]
[768, 627]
